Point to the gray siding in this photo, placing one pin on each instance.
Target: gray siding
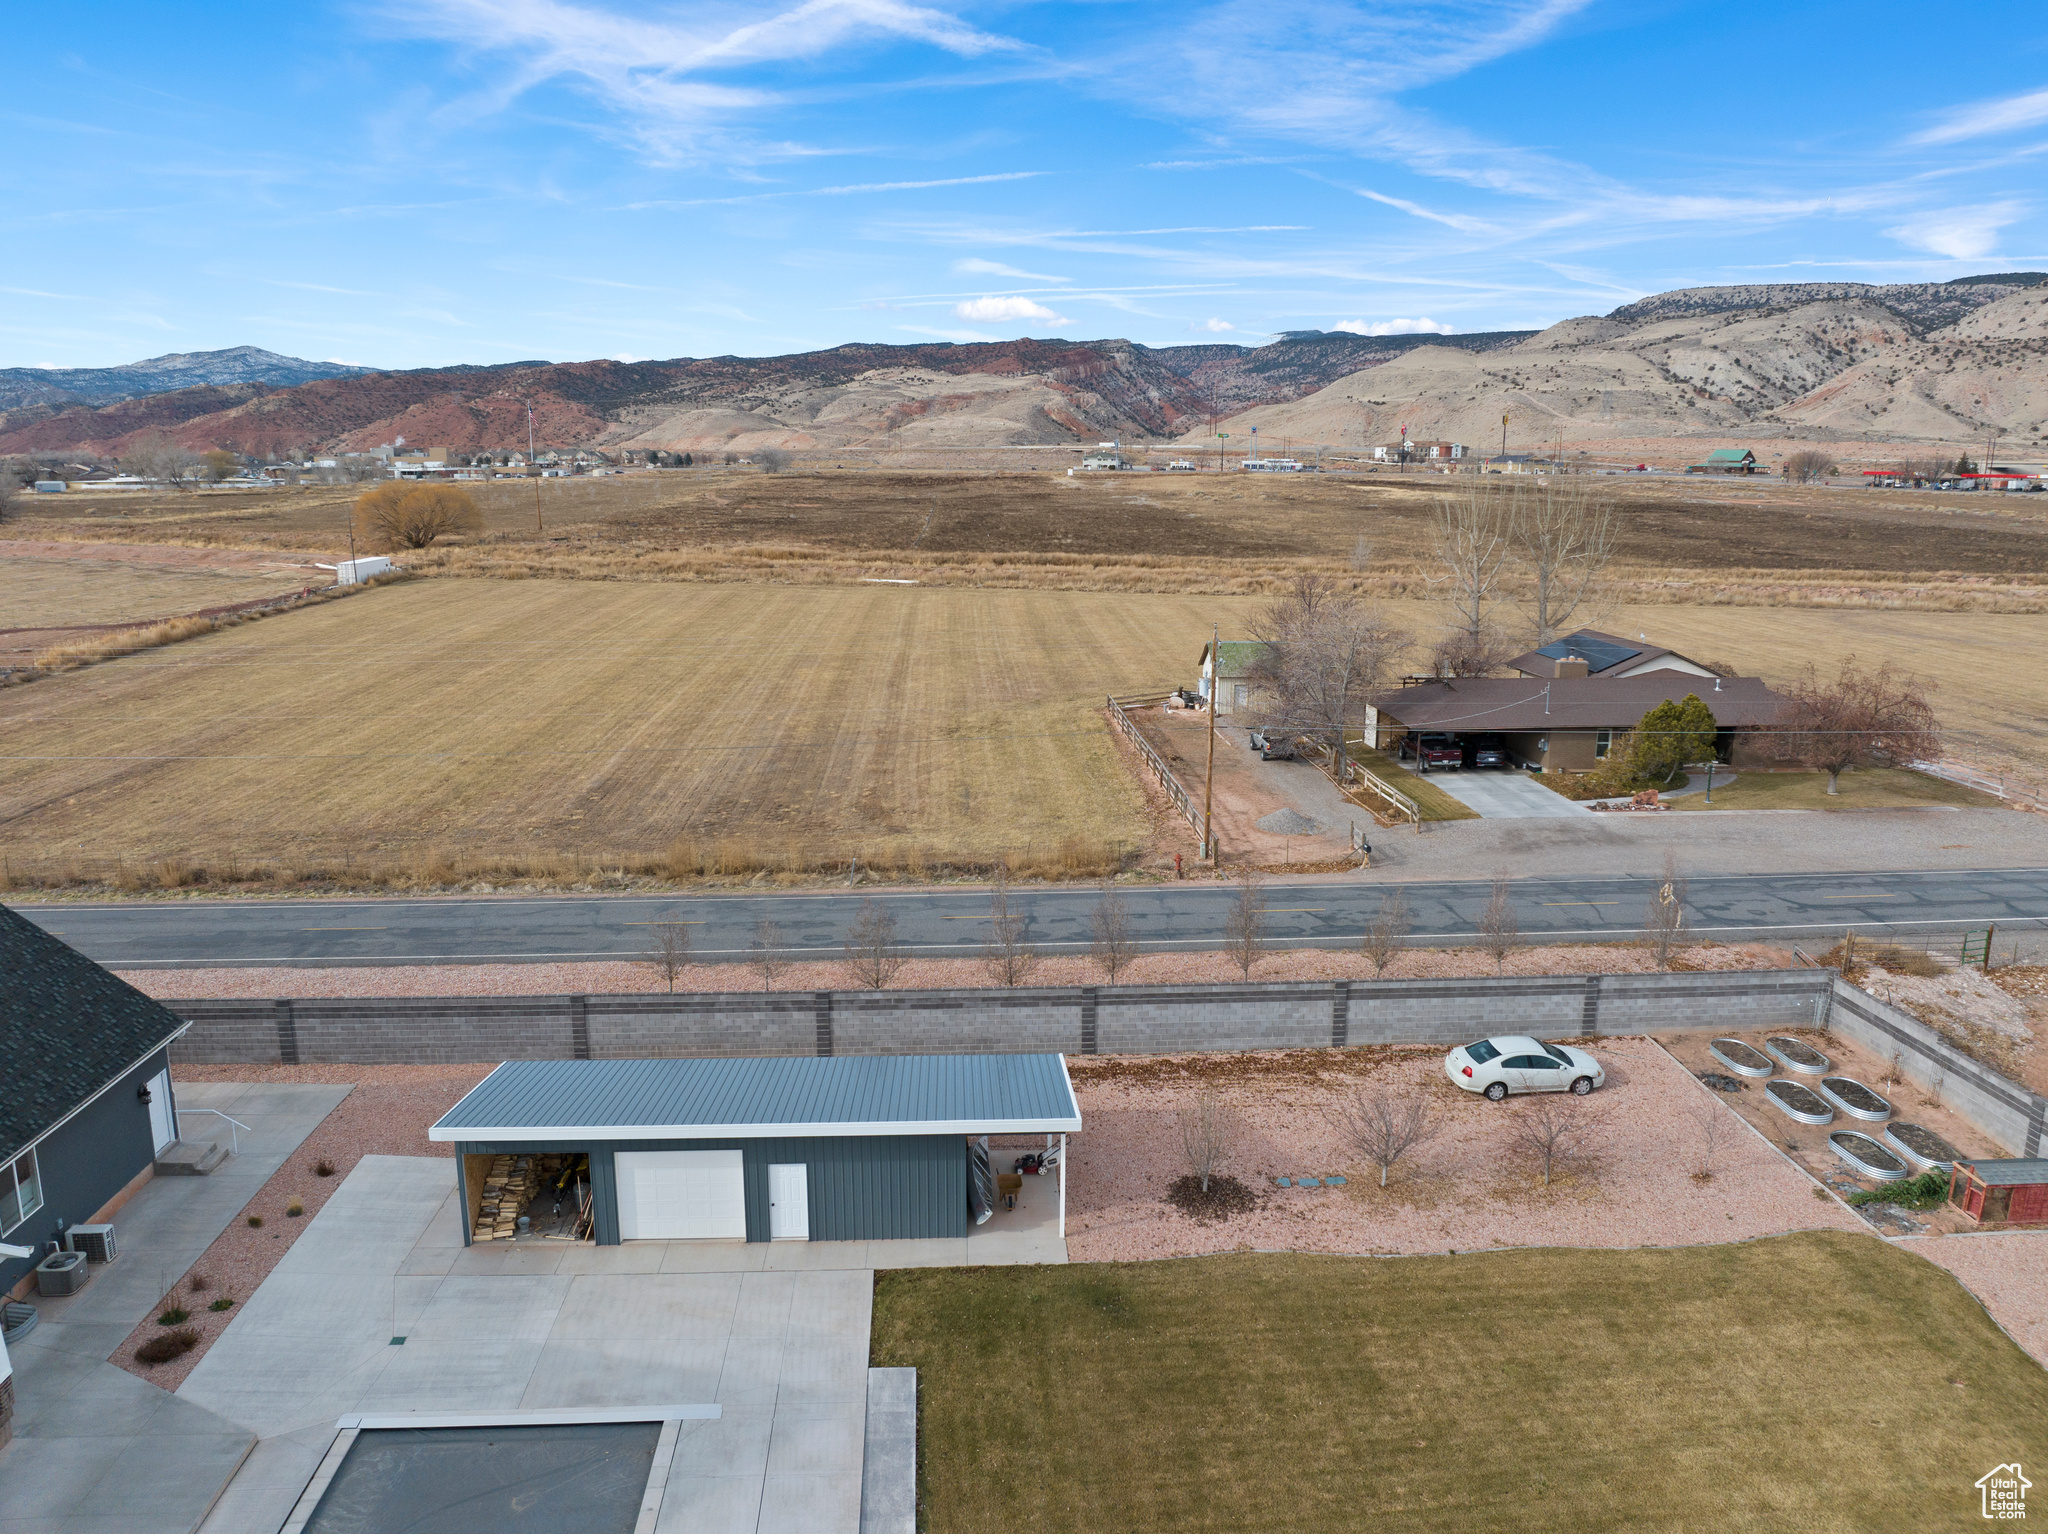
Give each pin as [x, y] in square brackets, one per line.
[862, 1188]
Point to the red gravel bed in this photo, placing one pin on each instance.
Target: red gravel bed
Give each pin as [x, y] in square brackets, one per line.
[1464, 1190]
[2007, 1271]
[387, 1114]
[621, 977]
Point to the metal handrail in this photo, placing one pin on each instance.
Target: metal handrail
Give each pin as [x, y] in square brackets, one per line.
[234, 1140]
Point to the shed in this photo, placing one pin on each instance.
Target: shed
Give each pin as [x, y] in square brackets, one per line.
[1230, 673]
[2007, 1192]
[833, 1148]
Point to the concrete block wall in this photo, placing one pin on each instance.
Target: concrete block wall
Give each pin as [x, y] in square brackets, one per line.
[656, 1027]
[1174, 1019]
[2008, 1113]
[961, 1022]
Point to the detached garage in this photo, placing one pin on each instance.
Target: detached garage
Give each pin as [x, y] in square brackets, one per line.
[844, 1148]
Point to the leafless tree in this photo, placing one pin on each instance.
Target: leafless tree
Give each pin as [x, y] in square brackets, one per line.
[1664, 921]
[1208, 1128]
[1383, 1126]
[769, 957]
[1563, 534]
[1471, 538]
[1386, 935]
[404, 516]
[1115, 944]
[1858, 718]
[1323, 654]
[1008, 958]
[773, 460]
[1709, 1119]
[873, 955]
[669, 951]
[10, 492]
[1552, 1131]
[1808, 465]
[1499, 933]
[1462, 654]
[1244, 927]
[158, 457]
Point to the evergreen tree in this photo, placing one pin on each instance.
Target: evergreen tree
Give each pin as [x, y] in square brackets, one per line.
[1673, 734]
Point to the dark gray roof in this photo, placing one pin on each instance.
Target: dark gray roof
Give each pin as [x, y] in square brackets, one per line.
[1474, 704]
[759, 1099]
[67, 1028]
[1600, 652]
[2000, 1174]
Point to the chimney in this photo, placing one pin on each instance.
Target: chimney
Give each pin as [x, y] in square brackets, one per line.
[1570, 666]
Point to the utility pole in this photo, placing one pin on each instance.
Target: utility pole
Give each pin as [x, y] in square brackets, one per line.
[534, 465]
[1209, 777]
[1503, 438]
[1219, 450]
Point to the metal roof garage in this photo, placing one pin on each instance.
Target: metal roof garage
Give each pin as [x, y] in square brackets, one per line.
[840, 1148]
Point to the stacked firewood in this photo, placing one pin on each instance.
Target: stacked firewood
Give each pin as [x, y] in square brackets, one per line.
[509, 1183]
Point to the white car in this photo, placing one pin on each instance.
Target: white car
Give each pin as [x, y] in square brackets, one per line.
[1514, 1062]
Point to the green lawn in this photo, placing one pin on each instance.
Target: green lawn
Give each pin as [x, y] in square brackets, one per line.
[1886, 788]
[1810, 1382]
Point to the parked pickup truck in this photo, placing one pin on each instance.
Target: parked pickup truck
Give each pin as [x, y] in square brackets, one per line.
[1441, 752]
[1272, 748]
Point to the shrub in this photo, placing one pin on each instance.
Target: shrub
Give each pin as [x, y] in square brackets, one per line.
[323, 1168]
[402, 516]
[163, 1348]
[223, 1303]
[177, 1315]
[199, 1283]
[294, 1209]
[255, 1222]
[1927, 1191]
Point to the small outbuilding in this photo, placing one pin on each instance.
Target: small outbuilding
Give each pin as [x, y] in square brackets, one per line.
[838, 1148]
[2001, 1192]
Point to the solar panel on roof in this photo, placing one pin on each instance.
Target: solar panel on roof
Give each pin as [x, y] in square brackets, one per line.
[1599, 653]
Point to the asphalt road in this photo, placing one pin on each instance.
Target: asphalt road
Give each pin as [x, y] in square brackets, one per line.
[723, 927]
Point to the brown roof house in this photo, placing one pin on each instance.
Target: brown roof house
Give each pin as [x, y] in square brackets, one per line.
[1588, 652]
[1565, 722]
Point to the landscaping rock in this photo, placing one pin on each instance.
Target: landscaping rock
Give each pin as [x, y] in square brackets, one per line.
[1718, 1082]
[1289, 823]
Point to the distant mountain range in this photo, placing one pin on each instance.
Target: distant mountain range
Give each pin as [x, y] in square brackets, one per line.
[1925, 360]
[160, 375]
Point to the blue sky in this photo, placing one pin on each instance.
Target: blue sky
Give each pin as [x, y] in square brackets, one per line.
[441, 181]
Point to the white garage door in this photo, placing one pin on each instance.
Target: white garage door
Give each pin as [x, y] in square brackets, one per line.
[681, 1196]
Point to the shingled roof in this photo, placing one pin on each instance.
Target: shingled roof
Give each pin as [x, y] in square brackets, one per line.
[67, 1028]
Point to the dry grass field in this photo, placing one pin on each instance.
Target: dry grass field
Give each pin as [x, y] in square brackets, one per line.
[732, 727]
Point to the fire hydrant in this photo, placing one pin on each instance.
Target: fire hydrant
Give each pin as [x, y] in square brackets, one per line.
[1176, 867]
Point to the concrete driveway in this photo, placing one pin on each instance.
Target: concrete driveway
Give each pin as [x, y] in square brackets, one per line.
[1506, 795]
[378, 1307]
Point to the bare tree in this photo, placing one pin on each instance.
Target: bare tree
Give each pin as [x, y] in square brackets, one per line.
[873, 955]
[773, 460]
[1808, 465]
[1471, 538]
[1115, 944]
[1664, 921]
[1244, 928]
[158, 457]
[1708, 1120]
[1858, 718]
[1382, 1126]
[670, 950]
[1500, 934]
[10, 492]
[403, 516]
[1462, 654]
[1564, 534]
[1208, 1128]
[1008, 958]
[769, 957]
[1552, 1132]
[1385, 935]
[1323, 654]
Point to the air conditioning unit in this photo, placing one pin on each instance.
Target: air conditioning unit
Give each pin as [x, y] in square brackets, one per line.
[61, 1273]
[96, 1241]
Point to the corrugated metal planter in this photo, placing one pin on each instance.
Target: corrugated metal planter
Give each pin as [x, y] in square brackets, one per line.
[1867, 1156]
[1923, 1147]
[1855, 1099]
[1741, 1058]
[1798, 1103]
[1798, 1056]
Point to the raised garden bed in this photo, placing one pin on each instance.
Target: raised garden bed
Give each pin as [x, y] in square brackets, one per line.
[1798, 1103]
[1923, 1147]
[1867, 1156]
[1795, 1056]
[1741, 1058]
[1855, 1099]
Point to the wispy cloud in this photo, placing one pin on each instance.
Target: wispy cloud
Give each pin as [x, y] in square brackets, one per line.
[997, 269]
[1214, 326]
[1984, 118]
[1962, 234]
[316, 287]
[652, 72]
[841, 191]
[988, 310]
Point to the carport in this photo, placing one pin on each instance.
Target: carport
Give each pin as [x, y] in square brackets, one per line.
[841, 1148]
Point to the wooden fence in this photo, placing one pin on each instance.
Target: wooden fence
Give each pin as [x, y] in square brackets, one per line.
[1175, 789]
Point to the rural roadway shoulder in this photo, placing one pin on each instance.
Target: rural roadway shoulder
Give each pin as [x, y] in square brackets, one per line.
[954, 922]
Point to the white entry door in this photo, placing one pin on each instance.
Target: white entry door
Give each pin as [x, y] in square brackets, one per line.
[789, 1203]
[681, 1196]
[163, 1124]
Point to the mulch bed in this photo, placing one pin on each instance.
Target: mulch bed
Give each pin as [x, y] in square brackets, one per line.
[1226, 1197]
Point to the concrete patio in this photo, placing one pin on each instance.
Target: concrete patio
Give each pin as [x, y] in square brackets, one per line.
[98, 1450]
